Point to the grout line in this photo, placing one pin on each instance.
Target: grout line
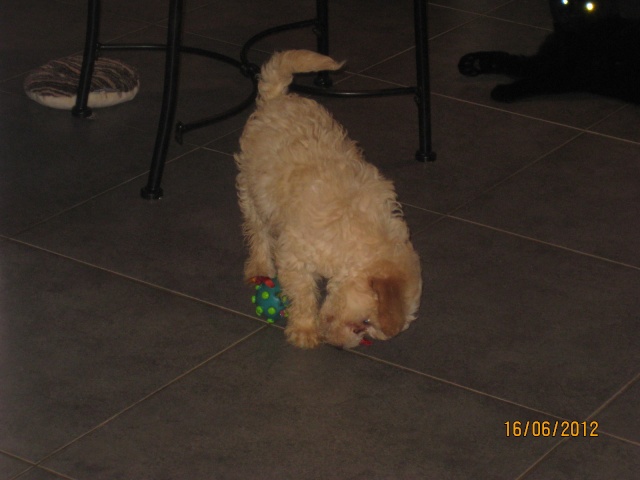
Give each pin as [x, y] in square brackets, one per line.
[598, 122]
[614, 397]
[140, 281]
[450, 214]
[97, 195]
[541, 459]
[589, 417]
[497, 398]
[14, 456]
[453, 384]
[544, 456]
[542, 242]
[619, 438]
[405, 204]
[22, 473]
[391, 57]
[515, 234]
[41, 469]
[220, 152]
[516, 173]
[502, 110]
[369, 77]
[27, 467]
[30, 466]
[551, 122]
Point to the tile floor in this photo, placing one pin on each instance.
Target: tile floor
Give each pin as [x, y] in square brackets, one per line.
[128, 349]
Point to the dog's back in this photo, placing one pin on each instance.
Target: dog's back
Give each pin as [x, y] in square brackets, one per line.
[301, 163]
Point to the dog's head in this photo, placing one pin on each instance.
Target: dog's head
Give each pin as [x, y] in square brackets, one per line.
[378, 306]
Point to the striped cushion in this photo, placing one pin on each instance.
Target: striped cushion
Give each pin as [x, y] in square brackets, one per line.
[55, 83]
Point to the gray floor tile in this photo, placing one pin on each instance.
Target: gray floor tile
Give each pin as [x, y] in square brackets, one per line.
[190, 241]
[11, 466]
[84, 344]
[476, 6]
[42, 474]
[472, 153]
[521, 320]
[590, 459]
[236, 22]
[144, 10]
[621, 124]
[53, 161]
[525, 12]
[265, 410]
[620, 418]
[583, 196]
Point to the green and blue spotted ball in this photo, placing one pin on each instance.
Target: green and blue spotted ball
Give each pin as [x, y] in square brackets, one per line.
[270, 302]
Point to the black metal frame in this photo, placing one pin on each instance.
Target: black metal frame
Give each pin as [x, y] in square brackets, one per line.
[421, 90]
[174, 48]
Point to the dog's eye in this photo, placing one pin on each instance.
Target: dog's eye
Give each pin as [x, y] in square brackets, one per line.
[366, 321]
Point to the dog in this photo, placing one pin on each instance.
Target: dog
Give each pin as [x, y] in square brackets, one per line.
[316, 213]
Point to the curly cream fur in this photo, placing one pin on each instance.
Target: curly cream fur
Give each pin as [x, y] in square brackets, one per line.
[314, 209]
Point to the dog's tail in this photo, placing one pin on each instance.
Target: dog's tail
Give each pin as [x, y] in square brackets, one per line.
[277, 74]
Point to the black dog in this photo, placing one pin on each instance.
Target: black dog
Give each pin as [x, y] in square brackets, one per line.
[592, 49]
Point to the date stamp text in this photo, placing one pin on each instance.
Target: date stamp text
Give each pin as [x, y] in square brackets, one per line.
[553, 428]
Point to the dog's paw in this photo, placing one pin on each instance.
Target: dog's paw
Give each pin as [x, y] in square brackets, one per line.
[250, 276]
[478, 63]
[258, 268]
[302, 337]
[469, 65]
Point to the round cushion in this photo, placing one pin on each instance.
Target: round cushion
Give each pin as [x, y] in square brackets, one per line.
[55, 84]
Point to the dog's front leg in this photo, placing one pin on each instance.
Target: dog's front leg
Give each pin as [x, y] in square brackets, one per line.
[302, 326]
[259, 263]
[256, 232]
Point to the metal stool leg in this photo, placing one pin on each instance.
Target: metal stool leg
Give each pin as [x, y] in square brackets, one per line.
[321, 31]
[423, 88]
[152, 190]
[173, 50]
[91, 47]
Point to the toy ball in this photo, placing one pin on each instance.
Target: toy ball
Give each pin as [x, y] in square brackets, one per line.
[269, 300]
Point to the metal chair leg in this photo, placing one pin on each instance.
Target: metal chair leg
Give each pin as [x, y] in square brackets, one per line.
[423, 88]
[91, 47]
[321, 31]
[152, 190]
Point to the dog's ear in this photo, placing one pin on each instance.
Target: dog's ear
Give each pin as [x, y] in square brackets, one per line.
[391, 315]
